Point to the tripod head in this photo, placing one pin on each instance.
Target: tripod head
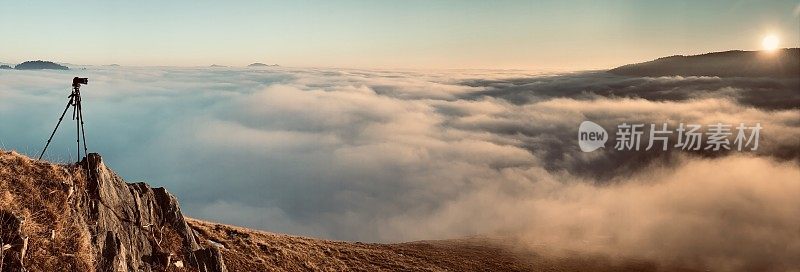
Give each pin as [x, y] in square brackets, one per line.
[77, 81]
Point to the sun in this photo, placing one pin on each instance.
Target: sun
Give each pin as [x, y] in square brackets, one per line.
[770, 42]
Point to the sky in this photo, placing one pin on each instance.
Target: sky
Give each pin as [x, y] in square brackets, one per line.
[387, 34]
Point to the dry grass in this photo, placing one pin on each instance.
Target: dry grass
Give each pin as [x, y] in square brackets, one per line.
[39, 193]
[250, 250]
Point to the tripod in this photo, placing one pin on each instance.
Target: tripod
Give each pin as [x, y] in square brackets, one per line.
[77, 115]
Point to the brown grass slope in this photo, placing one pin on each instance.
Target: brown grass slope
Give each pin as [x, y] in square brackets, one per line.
[38, 193]
[250, 250]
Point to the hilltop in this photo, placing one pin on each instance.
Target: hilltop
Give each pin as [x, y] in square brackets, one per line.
[258, 64]
[40, 65]
[61, 217]
[781, 63]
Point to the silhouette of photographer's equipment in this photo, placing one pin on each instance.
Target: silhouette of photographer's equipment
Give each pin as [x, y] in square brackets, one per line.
[77, 115]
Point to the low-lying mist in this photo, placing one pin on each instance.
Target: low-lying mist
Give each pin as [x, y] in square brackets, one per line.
[390, 156]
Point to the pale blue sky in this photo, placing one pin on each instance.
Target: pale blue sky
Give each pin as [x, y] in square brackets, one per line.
[386, 34]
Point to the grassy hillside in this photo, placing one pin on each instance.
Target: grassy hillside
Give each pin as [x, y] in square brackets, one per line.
[38, 193]
[251, 250]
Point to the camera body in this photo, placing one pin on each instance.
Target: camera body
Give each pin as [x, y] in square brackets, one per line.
[77, 81]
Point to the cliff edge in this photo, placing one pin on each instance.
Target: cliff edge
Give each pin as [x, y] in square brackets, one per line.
[83, 217]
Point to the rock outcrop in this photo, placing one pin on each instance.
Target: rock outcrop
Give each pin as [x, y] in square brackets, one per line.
[136, 227]
[13, 242]
[85, 217]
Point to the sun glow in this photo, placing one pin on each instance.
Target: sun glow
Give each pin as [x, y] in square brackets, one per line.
[770, 42]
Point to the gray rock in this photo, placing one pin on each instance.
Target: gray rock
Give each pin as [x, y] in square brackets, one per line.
[138, 228]
[13, 242]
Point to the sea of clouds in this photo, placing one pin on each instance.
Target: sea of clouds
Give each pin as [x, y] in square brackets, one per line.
[382, 155]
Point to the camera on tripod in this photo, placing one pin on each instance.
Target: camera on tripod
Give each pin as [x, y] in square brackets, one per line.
[77, 115]
[77, 81]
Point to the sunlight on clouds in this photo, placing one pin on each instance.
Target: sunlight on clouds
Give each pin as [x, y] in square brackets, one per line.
[395, 156]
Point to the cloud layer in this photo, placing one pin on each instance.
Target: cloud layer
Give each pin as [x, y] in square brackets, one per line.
[394, 156]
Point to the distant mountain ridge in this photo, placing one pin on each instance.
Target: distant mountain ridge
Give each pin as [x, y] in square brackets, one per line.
[258, 64]
[40, 65]
[735, 63]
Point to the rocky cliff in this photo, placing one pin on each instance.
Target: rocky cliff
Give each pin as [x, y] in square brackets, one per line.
[83, 217]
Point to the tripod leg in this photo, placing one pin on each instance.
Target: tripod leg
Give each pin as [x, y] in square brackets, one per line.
[83, 133]
[77, 128]
[57, 124]
[83, 130]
